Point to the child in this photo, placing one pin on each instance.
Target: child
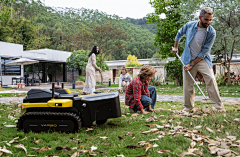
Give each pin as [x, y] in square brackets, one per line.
[140, 96]
[124, 79]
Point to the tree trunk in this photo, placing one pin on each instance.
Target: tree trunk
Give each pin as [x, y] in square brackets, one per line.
[228, 75]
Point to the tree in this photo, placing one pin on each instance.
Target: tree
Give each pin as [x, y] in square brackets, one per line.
[174, 70]
[226, 24]
[19, 30]
[177, 13]
[132, 61]
[79, 59]
[105, 36]
[5, 11]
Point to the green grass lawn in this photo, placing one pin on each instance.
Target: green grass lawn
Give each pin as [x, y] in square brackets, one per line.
[126, 131]
[13, 94]
[171, 89]
[3, 89]
[225, 91]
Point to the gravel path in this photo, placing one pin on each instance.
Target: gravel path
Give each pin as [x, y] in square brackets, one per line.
[160, 98]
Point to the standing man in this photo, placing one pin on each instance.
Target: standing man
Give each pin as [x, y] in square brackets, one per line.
[196, 57]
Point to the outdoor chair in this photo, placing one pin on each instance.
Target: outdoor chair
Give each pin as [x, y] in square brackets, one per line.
[29, 80]
[22, 79]
[14, 80]
[36, 79]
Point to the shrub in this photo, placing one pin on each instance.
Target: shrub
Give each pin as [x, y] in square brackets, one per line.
[174, 71]
[132, 61]
[82, 78]
[222, 79]
[156, 81]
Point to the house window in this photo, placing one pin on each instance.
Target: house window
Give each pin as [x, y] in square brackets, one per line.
[10, 69]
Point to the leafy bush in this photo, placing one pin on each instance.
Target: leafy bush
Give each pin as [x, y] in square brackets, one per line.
[156, 81]
[132, 61]
[81, 78]
[174, 71]
[222, 79]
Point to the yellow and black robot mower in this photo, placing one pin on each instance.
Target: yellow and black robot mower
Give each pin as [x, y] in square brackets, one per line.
[59, 110]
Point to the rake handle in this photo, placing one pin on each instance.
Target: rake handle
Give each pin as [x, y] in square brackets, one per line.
[192, 78]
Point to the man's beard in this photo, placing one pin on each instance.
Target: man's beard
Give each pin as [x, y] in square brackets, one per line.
[204, 24]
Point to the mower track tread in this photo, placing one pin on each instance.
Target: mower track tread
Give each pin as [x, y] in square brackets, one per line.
[77, 120]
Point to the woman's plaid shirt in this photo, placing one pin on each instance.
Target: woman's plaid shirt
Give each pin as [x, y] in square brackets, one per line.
[134, 92]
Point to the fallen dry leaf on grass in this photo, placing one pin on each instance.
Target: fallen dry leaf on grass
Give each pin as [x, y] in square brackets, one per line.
[76, 154]
[167, 151]
[193, 144]
[210, 130]
[186, 153]
[4, 150]
[151, 125]
[213, 143]
[223, 152]
[10, 126]
[155, 145]
[13, 140]
[132, 147]
[223, 144]
[197, 116]
[11, 117]
[142, 143]
[154, 130]
[24, 138]
[146, 148]
[213, 150]
[89, 129]
[237, 119]
[134, 115]
[21, 146]
[142, 155]
[124, 116]
[232, 138]
[153, 140]
[145, 132]
[159, 126]
[45, 148]
[93, 148]
[38, 141]
[151, 119]
[198, 127]
[120, 138]
[34, 148]
[59, 148]
[129, 133]
[104, 138]
[84, 151]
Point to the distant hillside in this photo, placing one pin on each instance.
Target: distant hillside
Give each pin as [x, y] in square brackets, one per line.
[37, 26]
[152, 27]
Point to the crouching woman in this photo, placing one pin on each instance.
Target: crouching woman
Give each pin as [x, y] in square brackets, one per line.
[139, 95]
[124, 79]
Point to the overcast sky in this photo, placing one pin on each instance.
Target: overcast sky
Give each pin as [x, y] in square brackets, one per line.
[123, 8]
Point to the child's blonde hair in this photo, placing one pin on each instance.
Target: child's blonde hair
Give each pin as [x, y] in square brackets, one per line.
[146, 71]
